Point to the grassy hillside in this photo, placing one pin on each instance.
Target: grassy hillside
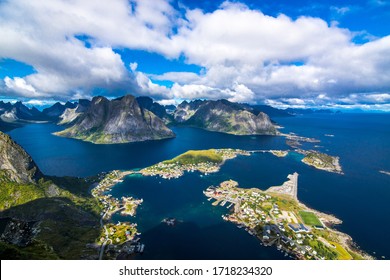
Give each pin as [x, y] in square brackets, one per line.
[64, 230]
[195, 157]
[44, 217]
[64, 214]
[13, 194]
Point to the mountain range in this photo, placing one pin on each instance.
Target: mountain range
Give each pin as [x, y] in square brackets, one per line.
[120, 120]
[224, 116]
[19, 112]
[132, 119]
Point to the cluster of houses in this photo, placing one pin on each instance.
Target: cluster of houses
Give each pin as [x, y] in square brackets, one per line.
[278, 227]
[176, 170]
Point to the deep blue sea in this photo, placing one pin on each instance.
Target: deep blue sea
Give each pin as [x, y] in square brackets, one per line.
[360, 197]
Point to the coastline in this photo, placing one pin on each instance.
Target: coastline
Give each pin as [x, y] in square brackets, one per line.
[276, 217]
[125, 233]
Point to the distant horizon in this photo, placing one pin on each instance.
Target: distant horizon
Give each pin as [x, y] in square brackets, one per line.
[334, 109]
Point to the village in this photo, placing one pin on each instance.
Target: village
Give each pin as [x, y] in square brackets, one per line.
[203, 161]
[277, 218]
[176, 170]
[120, 238]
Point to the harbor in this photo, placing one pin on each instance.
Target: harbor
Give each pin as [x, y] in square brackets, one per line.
[277, 218]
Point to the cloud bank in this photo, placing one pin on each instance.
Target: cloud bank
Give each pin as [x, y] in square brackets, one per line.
[246, 56]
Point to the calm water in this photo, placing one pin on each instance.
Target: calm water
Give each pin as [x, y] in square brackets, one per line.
[360, 197]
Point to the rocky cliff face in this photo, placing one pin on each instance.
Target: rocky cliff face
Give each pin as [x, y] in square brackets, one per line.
[43, 217]
[15, 164]
[224, 116]
[117, 121]
[55, 111]
[147, 103]
[70, 115]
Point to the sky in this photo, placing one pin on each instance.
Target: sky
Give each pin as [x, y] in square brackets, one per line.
[317, 53]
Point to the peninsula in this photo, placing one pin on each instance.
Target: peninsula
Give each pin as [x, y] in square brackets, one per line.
[276, 217]
[122, 236]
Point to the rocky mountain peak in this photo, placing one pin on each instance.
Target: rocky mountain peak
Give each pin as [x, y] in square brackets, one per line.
[15, 163]
[117, 121]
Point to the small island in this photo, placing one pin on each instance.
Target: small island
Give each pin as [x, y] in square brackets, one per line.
[277, 218]
[294, 141]
[321, 161]
[203, 161]
[279, 153]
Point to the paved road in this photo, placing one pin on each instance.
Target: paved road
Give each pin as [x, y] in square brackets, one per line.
[106, 232]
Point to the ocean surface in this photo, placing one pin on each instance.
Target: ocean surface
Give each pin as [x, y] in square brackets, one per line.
[360, 197]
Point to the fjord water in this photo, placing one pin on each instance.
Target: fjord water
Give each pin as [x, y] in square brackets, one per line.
[360, 197]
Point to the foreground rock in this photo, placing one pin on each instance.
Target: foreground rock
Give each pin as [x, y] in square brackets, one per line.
[43, 217]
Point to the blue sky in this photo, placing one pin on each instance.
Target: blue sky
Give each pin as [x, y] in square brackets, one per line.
[302, 53]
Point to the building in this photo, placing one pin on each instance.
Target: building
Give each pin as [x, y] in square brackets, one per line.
[298, 228]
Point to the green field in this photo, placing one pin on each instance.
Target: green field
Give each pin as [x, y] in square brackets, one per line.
[342, 253]
[310, 219]
[195, 157]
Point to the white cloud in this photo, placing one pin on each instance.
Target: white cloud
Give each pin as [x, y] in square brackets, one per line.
[340, 11]
[178, 77]
[193, 91]
[18, 83]
[133, 66]
[241, 94]
[149, 88]
[166, 102]
[38, 102]
[43, 34]
[20, 86]
[239, 45]
[237, 35]
[246, 56]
